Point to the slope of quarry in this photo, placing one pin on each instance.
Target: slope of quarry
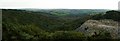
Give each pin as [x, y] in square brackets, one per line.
[94, 27]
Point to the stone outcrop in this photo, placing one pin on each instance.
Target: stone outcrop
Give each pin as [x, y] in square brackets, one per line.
[91, 27]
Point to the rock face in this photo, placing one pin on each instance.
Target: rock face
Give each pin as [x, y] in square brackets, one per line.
[91, 27]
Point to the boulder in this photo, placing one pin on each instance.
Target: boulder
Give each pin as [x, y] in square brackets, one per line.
[93, 27]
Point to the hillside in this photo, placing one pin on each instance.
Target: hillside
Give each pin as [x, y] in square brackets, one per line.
[22, 25]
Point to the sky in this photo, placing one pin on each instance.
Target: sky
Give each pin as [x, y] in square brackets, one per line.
[59, 4]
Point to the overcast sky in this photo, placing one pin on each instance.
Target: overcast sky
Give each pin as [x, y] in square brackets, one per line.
[60, 4]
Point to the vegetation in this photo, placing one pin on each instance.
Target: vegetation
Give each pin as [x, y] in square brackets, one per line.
[23, 25]
[114, 15]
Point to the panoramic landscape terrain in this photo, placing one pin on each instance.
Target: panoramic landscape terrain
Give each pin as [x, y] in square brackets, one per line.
[59, 24]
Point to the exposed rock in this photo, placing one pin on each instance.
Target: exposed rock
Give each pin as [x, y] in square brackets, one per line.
[93, 27]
